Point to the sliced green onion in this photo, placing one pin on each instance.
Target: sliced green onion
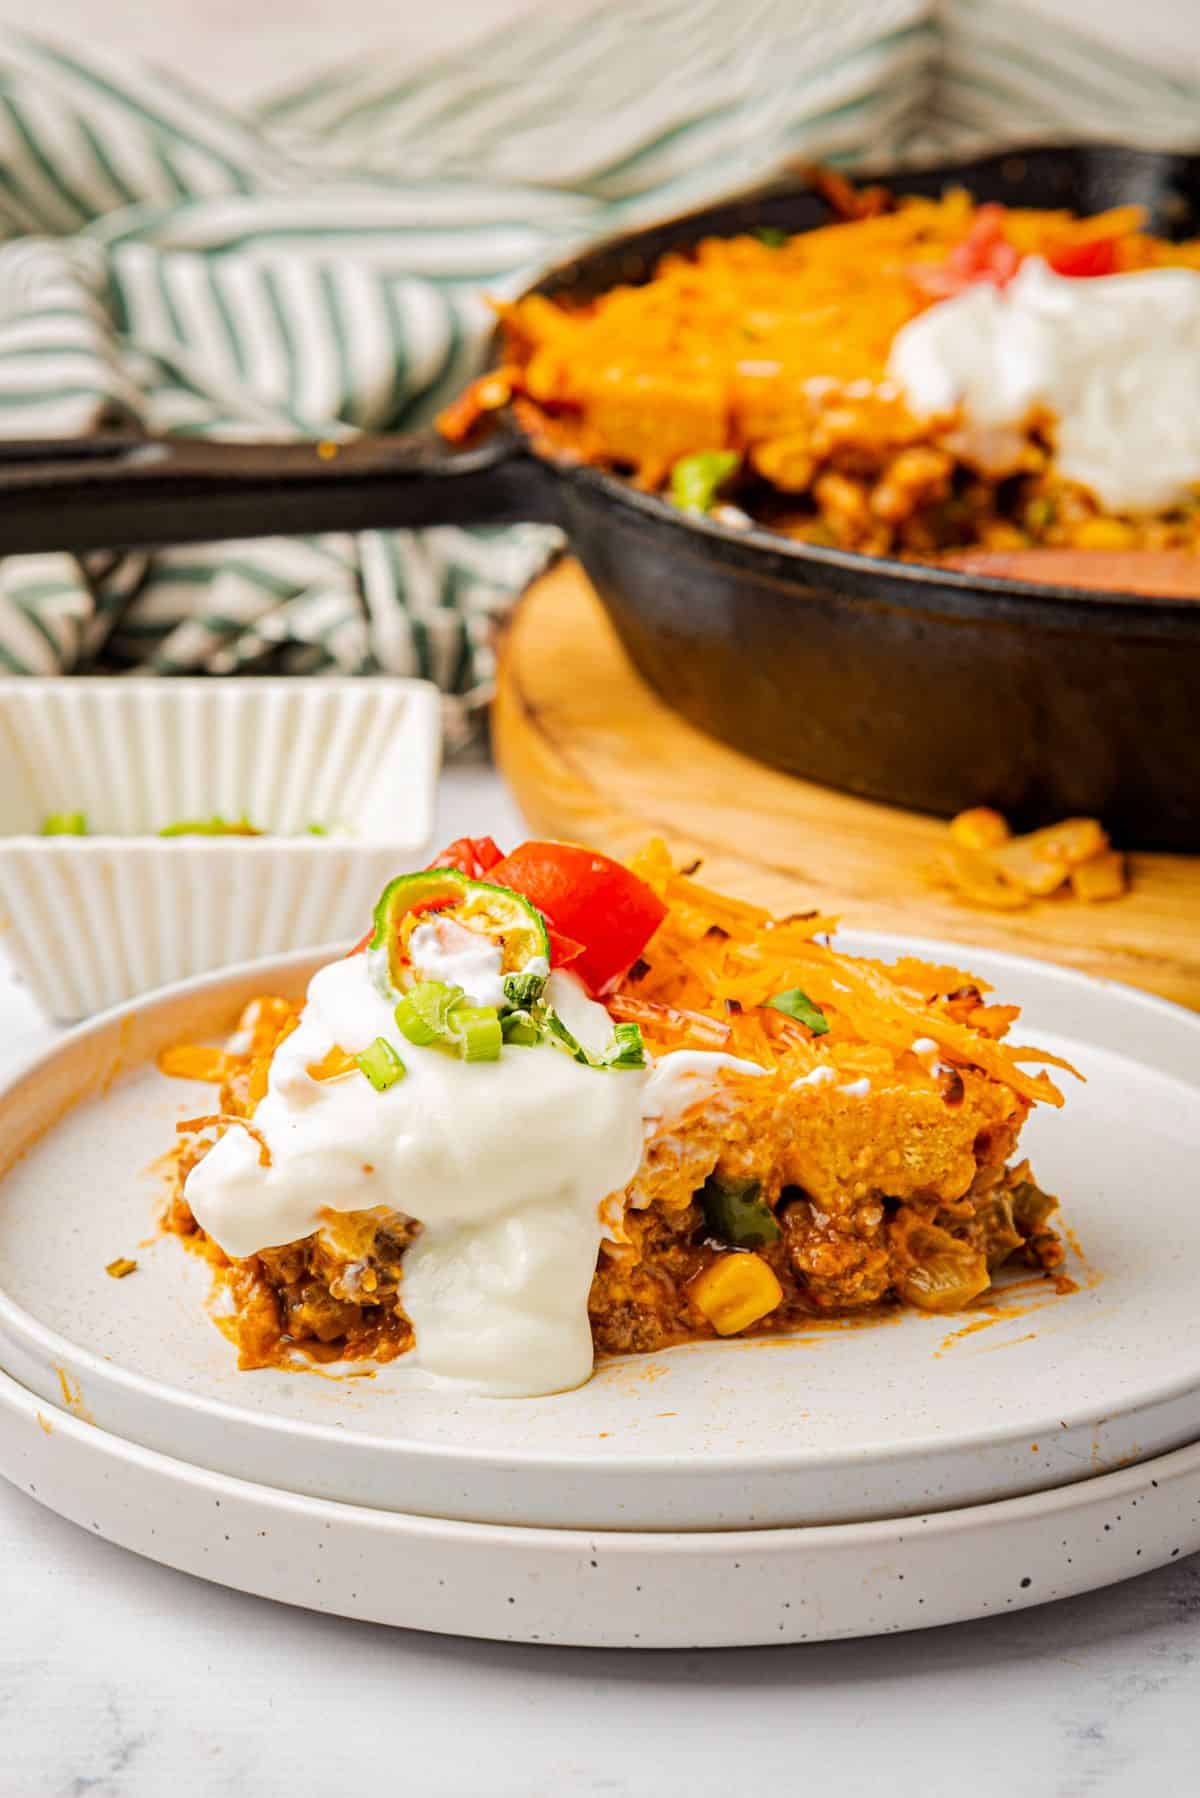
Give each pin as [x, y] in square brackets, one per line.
[772, 236]
[65, 824]
[216, 826]
[381, 1064]
[571, 1042]
[521, 1028]
[436, 1001]
[433, 1014]
[476, 1030]
[628, 1050]
[798, 1005]
[413, 1025]
[558, 1030]
[424, 1012]
[521, 990]
[695, 479]
[736, 1212]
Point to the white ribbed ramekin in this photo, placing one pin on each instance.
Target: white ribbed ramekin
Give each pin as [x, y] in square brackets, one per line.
[93, 920]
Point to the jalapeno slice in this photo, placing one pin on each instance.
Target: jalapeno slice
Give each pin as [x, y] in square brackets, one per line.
[736, 1212]
[491, 911]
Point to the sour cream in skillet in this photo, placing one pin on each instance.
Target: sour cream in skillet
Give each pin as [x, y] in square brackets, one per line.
[1115, 360]
[505, 1163]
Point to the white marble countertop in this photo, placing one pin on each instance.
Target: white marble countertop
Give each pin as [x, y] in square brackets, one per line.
[121, 1679]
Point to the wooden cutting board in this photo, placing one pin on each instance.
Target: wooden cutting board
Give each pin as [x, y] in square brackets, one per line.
[592, 754]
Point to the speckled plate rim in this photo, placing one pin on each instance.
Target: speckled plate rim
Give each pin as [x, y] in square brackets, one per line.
[35, 1353]
[605, 1588]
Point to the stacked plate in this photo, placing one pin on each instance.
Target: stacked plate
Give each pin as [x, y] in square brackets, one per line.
[846, 1481]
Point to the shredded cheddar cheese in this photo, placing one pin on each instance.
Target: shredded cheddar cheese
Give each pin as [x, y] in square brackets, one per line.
[720, 960]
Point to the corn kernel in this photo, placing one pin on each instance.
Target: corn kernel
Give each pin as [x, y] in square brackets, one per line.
[973, 874]
[1103, 533]
[980, 828]
[999, 535]
[1042, 861]
[734, 1291]
[1101, 878]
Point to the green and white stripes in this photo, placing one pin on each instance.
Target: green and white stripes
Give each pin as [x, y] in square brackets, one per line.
[1001, 76]
[319, 266]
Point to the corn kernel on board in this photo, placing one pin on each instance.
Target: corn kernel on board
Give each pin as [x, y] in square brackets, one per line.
[591, 754]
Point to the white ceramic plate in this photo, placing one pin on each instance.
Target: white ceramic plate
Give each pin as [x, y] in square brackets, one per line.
[837, 1425]
[607, 1589]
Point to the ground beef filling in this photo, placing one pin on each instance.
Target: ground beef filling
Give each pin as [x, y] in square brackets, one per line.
[930, 1254]
[337, 1294]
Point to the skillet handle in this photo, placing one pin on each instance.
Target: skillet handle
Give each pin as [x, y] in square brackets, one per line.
[120, 492]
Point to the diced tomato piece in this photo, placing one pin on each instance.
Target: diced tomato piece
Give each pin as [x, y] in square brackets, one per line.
[1085, 260]
[590, 898]
[359, 947]
[439, 904]
[563, 949]
[472, 856]
[985, 254]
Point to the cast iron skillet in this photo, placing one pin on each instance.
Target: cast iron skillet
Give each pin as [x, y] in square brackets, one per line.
[925, 687]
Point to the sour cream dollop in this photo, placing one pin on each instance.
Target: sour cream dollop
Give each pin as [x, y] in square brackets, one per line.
[443, 950]
[505, 1164]
[1115, 359]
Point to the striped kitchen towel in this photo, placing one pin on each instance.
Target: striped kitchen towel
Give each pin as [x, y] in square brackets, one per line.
[318, 266]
